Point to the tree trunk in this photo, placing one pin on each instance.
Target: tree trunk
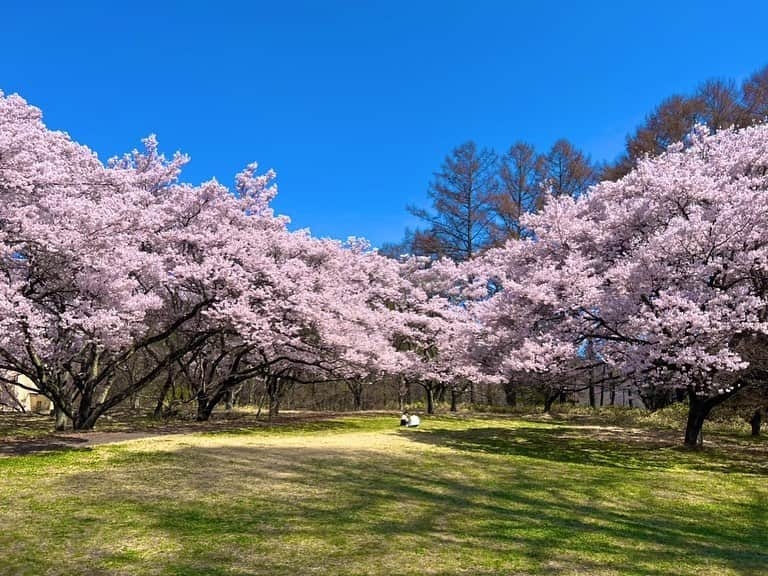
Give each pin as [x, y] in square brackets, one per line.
[274, 406]
[86, 420]
[229, 400]
[206, 404]
[356, 388]
[87, 414]
[273, 393]
[697, 413]
[408, 394]
[158, 412]
[454, 400]
[592, 400]
[203, 411]
[549, 399]
[402, 393]
[251, 392]
[699, 409]
[755, 422]
[60, 418]
[440, 393]
[510, 393]
[430, 399]
[261, 403]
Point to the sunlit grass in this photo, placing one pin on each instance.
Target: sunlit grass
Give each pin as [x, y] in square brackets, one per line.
[361, 496]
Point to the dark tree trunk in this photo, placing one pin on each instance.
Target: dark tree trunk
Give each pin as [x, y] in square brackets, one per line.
[454, 399]
[313, 395]
[206, 404]
[87, 413]
[158, 412]
[356, 388]
[549, 399]
[274, 406]
[430, 399]
[510, 393]
[86, 420]
[261, 402]
[273, 393]
[490, 395]
[699, 409]
[697, 413]
[755, 422]
[229, 400]
[203, 411]
[592, 400]
[472, 398]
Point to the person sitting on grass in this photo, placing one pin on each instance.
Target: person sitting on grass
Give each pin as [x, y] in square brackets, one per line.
[404, 418]
[413, 421]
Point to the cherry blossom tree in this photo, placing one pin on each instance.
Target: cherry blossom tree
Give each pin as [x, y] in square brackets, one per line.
[427, 333]
[101, 263]
[664, 272]
[106, 263]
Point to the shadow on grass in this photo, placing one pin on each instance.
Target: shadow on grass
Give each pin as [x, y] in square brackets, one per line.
[609, 447]
[297, 510]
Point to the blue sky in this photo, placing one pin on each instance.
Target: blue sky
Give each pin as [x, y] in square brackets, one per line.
[356, 103]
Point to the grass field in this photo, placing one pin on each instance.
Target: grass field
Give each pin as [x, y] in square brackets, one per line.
[357, 495]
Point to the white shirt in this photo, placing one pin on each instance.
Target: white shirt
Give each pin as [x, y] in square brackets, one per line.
[414, 420]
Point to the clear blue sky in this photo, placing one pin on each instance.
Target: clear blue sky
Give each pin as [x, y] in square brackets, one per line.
[355, 103]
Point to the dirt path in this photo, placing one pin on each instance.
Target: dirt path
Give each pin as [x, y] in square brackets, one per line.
[22, 446]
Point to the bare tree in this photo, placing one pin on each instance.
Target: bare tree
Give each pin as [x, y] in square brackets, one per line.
[521, 172]
[568, 171]
[721, 105]
[460, 223]
[754, 92]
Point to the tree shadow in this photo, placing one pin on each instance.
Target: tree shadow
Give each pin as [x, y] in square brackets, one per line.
[599, 446]
[288, 510]
[27, 434]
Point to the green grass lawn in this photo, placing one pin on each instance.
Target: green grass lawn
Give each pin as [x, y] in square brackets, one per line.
[358, 495]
